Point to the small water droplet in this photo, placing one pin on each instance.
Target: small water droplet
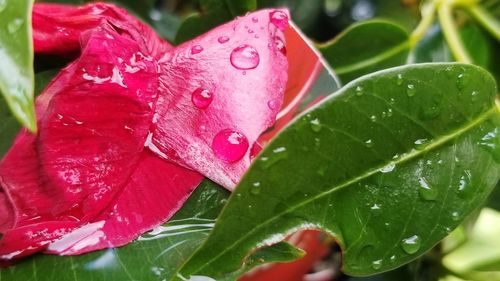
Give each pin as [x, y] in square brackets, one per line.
[201, 98]
[279, 154]
[430, 112]
[315, 125]
[359, 91]
[373, 118]
[400, 79]
[280, 45]
[421, 143]
[463, 184]
[388, 168]
[375, 207]
[250, 31]
[389, 112]
[255, 20]
[461, 81]
[377, 264]
[426, 191]
[455, 216]
[255, 188]
[223, 39]
[410, 90]
[273, 104]
[369, 143]
[411, 244]
[491, 143]
[196, 49]
[14, 25]
[245, 57]
[449, 72]
[255, 150]
[392, 258]
[229, 145]
[279, 19]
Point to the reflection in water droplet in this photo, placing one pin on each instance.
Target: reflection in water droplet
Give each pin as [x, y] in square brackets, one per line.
[201, 98]
[388, 168]
[229, 145]
[223, 39]
[426, 191]
[377, 264]
[315, 125]
[14, 25]
[421, 143]
[400, 80]
[245, 57]
[410, 90]
[255, 188]
[279, 19]
[196, 49]
[359, 91]
[411, 244]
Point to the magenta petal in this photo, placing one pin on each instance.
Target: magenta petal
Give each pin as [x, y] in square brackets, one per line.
[156, 190]
[58, 28]
[242, 71]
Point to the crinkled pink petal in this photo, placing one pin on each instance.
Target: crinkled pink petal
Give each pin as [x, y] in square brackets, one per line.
[57, 28]
[218, 93]
[156, 190]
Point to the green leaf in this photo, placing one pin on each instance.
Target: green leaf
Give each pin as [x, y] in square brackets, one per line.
[154, 256]
[366, 47]
[16, 60]
[213, 13]
[387, 171]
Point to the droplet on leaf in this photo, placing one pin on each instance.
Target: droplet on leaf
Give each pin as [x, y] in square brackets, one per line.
[411, 244]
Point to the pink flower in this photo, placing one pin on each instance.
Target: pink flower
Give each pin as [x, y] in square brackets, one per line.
[129, 129]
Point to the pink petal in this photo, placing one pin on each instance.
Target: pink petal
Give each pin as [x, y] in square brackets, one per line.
[156, 190]
[57, 28]
[241, 70]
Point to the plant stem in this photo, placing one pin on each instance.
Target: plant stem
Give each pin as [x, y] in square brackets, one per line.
[485, 19]
[428, 14]
[451, 33]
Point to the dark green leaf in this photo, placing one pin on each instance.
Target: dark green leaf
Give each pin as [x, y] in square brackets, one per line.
[389, 165]
[366, 47]
[213, 13]
[16, 60]
[154, 256]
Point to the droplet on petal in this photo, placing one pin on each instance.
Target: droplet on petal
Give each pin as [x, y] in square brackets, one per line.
[280, 45]
[279, 19]
[272, 104]
[229, 145]
[255, 150]
[245, 57]
[196, 49]
[223, 39]
[201, 98]
[255, 19]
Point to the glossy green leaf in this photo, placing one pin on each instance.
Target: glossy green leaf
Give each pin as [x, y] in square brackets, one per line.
[213, 13]
[389, 165]
[366, 47]
[16, 60]
[154, 256]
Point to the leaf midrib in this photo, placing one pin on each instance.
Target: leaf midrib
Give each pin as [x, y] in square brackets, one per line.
[373, 60]
[432, 145]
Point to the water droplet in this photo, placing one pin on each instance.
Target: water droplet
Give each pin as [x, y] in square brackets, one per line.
[359, 91]
[455, 216]
[369, 143]
[411, 244]
[491, 143]
[250, 31]
[3, 5]
[389, 112]
[201, 98]
[255, 188]
[223, 39]
[273, 104]
[14, 25]
[463, 184]
[373, 118]
[255, 150]
[421, 143]
[245, 57]
[255, 20]
[461, 81]
[400, 79]
[392, 258]
[410, 90]
[449, 72]
[196, 49]
[430, 112]
[426, 191]
[280, 44]
[377, 264]
[279, 19]
[229, 145]
[315, 125]
[279, 154]
[375, 207]
[388, 168]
